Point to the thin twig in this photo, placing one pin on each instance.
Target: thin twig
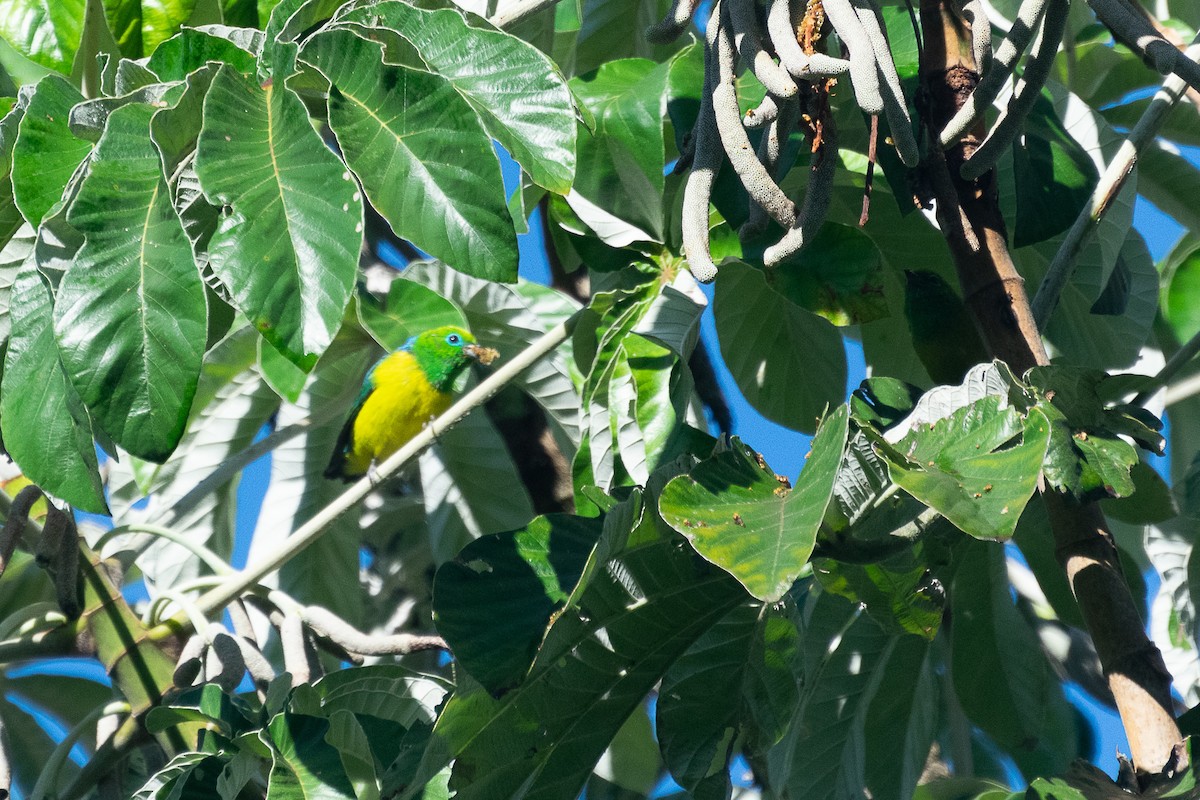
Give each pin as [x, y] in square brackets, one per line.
[309, 532]
[1180, 359]
[1110, 184]
[895, 107]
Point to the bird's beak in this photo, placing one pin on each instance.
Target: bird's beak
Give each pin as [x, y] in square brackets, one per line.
[484, 355]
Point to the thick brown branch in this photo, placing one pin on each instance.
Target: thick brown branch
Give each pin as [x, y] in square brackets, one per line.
[996, 294]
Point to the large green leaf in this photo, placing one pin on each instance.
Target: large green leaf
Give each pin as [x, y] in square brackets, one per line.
[471, 486]
[130, 312]
[1054, 177]
[46, 428]
[967, 467]
[621, 161]
[304, 764]
[739, 515]
[46, 32]
[518, 93]
[408, 309]
[287, 246]
[641, 602]
[46, 154]
[161, 19]
[845, 659]
[897, 592]
[837, 276]
[789, 363]
[521, 578]
[421, 154]
[191, 49]
[1001, 676]
[1181, 294]
[735, 680]
[12, 256]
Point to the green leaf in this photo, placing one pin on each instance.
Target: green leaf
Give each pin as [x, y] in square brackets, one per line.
[350, 740]
[424, 160]
[902, 720]
[1087, 455]
[621, 162]
[845, 658]
[46, 154]
[493, 602]
[609, 30]
[29, 745]
[130, 312]
[1054, 177]
[641, 602]
[191, 49]
[175, 780]
[519, 94]
[48, 33]
[898, 593]
[304, 764]
[12, 256]
[47, 431]
[95, 62]
[125, 22]
[967, 467]
[471, 487]
[1000, 674]
[408, 309]
[739, 515]
[789, 363]
[287, 246]
[281, 375]
[838, 276]
[162, 19]
[740, 667]
[387, 691]
[1181, 295]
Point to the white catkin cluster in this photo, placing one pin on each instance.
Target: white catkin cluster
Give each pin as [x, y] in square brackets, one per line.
[1043, 22]
[737, 34]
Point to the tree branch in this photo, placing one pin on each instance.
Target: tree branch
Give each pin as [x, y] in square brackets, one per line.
[996, 295]
[309, 532]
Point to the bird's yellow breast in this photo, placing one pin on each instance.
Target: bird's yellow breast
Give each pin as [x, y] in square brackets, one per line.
[401, 402]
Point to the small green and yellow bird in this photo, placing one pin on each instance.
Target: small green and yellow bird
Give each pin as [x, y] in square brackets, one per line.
[401, 393]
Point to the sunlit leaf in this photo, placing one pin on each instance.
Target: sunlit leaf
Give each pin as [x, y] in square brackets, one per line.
[287, 245]
[741, 516]
[130, 312]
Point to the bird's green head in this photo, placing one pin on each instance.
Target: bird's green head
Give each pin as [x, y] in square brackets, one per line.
[443, 353]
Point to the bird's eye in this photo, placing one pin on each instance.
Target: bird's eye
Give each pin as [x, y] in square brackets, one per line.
[453, 339]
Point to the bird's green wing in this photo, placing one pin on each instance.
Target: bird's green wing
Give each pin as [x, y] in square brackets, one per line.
[345, 440]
